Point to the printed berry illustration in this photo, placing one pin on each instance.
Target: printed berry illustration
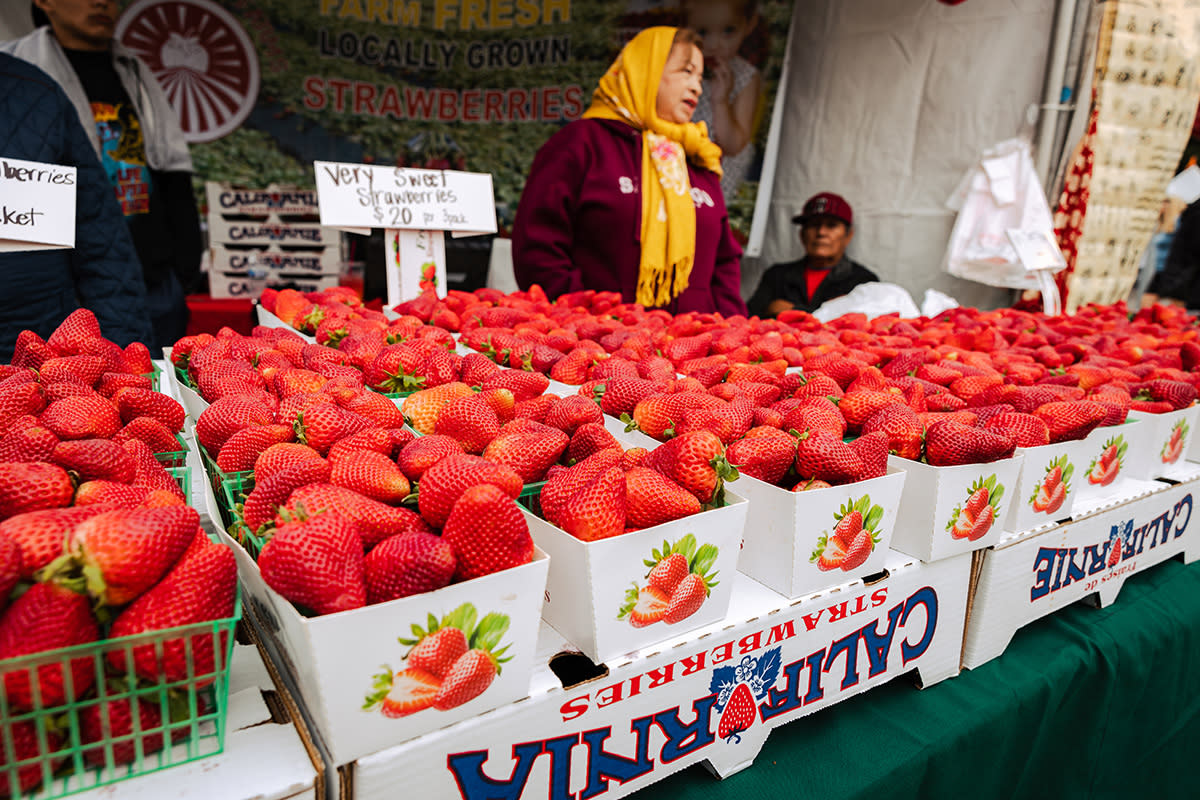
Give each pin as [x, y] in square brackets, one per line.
[855, 534]
[679, 581]
[428, 276]
[1114, 552]
[1048, 497]
[738, 690]
[1105, 469]
[974, 518]
[450, 662]
[1173, 449]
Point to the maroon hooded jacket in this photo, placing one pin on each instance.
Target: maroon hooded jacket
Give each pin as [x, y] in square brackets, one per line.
[579, 222]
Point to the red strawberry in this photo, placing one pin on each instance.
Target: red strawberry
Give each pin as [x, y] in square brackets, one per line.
[271, 493]
[11, 568]
[469, 677]
[597, 509]
[524, 385]
[108, 725]
[83, 369]
[406, 692]
[652, 499]
[29, 487]
[408, 564]
[687, 598]
[948, 443]
[470, 421]
[667, 573]
[848, 527]
[976, 502]
[33, 443]
[739, 714]
[153, 433]
[425, 451]
[858, 550]
[317, 563]
[150, 471]
[645, 606]
[386, 442]
[372, 406]
[133, 403]
[765, 453]
[120, 554]
[25, 739]
[1027, 430]
[280, 456]
[375, 521]
[41, 534]
[321, 425]
[437, 651]
[135, 359]
[442, 484]
[75, 333]
[487, 532]
[17, 400]
[571, 412]
[1057, 495]
[371, 474]
[243, 448]
[109, 495]
[826, 457]
[902, 427]
[46, 617]
[696, 461]
[563, 485]
[200, 588]
[588, 439]
[82, 417]
[872, 448]
[830, 553]
[983, 523]
[226, 417]
[814, 413]
[95, 459]
[1071, 420]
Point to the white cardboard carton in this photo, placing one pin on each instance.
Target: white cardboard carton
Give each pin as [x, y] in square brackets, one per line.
[251, 285]
[931, 523]
[1028, 576]
[312, 263]
[676, 705]
[783, 530]
[270, 231]
[188, 397]
[1126, 445]
[1029, 508]
[334, 659]
[269, 320]
[589, 582]
[1169, 436]
[225, 199]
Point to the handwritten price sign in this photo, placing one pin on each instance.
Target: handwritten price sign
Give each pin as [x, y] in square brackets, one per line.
[37, 205]
[358, 196]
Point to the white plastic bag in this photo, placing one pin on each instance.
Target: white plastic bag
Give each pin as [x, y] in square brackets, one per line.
[1000, 192]
[873, 299]
[936, 302]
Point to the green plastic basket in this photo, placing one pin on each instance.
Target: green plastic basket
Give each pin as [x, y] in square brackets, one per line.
[183, 477]
[217, 477]
[155, 376]
[233, 494]
[184, 379]
[192, 709]
[176, 457]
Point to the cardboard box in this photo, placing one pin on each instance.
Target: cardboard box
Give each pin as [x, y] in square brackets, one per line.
[245, 284]
[1027, 576]
[335, 660]
[668, 708]
[784, 530]
[227, 199]
[931, 523]
[588, 591]
[1057, 464]
[188, 397]
[1169, 437]
[273, 262]
[1127, 446]
[271, 231]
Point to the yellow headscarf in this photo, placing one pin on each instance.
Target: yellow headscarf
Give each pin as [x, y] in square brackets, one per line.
[628, 92]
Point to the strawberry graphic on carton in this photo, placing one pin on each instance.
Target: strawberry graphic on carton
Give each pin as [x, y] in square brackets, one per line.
[450, 662]
[974, 518]
[1107, 466]
[740, 688]
[1172, 449]
[855, 534]
[1049, 495]
[679, 581]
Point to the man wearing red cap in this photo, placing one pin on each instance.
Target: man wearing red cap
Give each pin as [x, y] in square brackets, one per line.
[826, 228]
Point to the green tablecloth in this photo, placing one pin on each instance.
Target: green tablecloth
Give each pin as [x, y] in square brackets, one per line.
[1093, 703]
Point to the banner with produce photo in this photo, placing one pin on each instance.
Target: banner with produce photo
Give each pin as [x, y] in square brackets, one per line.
[265, 87]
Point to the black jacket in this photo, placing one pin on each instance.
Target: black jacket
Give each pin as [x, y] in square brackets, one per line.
[787, 282]
[1180, 277]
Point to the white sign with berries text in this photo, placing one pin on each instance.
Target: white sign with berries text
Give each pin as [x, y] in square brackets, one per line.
[37, 205]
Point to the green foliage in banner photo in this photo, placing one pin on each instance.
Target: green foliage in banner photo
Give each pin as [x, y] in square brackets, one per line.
[475, 85]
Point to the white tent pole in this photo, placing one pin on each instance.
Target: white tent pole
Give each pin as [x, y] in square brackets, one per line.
[766, 182]
[1052, 93]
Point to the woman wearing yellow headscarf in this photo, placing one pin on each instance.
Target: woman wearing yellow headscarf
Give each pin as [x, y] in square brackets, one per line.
[628, 198]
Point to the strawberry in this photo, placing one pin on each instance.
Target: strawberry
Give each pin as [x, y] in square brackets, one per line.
[858, 550]
[67, 388]
[534, 408]
[153, 433]
[739, 714]
[858, 407]
[529, 454]
[370, 474]
[321, 425]
[375, 521]
[383, 441]
[108, 725]
[948, 443]
[29, 487]
[1028, 430]
[423, 408]
[619, 396]
[83, 369]
[437, 651]
[470, 676]
[408, 564]
[983, 523]
[117, 555]
[82, 417]
[133, 403]
[201, 587]
[95, 459]
[563, 485]
[667, 573]
[46, 617]
[523, 385]
[597, 509]
[762, 455]
[317, 563]
[653, 499]
[407, 692]
[33, 443]
[243, 448]
[571, 412]
[487, 532]
[271, 493]
[373, 406]
[1071, 420]
[696, 461]
[848, 527]
[25, 739]
[150, 472]
[902, 427]
[590, 438]
[645, 606]
[830, 553]
[74, 334]
[12, 567]
[470, 421]
[108, 494]
[686, 599]
[814, 413]
[31, 351]
[442, 484]
[425, 451]
[872, 448]
[280, 456]
[227, 416]
[1180, 394]
[826, 457]
[1055, 500]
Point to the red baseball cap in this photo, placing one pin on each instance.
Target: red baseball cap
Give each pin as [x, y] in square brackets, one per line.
[826, 204]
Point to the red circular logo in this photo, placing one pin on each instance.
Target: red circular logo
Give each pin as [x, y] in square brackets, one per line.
[202, 58]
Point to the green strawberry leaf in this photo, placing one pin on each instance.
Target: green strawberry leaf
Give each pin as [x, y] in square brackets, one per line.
[994, 496]
[462, 618]
[705, 557]
[821, 543]
[954, 517]
[381, 684]
[631, 598]
[490, 631]
[686, 546]
[873, 518]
